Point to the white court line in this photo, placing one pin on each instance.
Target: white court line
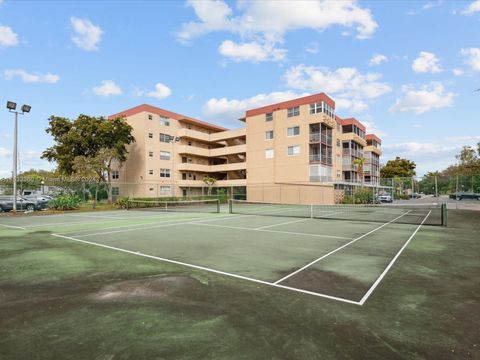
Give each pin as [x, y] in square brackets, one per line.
[272, 231]
[382, 275]
[210, 270]
[339, 248]
[13, 227]
[180, 222]
[102, 217]
[283, 223]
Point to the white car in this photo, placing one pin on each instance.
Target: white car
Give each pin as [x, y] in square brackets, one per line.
[385, 198]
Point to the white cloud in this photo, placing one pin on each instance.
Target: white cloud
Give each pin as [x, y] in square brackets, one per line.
[472, 8]
[429, 97]
[353, 105]
[87, 35]
[231, 109]
[26, 77]
[161, 92]
[4, 152]
[252, 51]
[107, 88]
[266, 22]
[426, 62]
[372, 127]
[457, 72]
[473, 57]
[345, 82]
[8, 37]
[377, 59]
[313, 48]
[429, 156]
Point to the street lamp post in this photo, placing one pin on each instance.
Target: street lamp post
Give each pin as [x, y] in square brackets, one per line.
[12, 106]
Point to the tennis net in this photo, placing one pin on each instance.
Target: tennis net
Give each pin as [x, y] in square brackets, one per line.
[430, 214]
[196, 206]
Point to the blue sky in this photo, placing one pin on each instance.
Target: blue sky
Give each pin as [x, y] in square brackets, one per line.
[408, 70]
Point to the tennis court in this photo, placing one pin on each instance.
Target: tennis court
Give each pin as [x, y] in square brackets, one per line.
[337, 252]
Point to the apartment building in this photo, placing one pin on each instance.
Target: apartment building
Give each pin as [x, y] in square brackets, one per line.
[292, 151]
[173, 153]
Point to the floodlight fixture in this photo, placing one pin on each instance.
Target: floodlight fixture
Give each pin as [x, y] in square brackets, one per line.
[26, 108]
[11, 105]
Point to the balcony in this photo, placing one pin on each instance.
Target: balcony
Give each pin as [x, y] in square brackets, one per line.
[319, 137]
[229, 150]
[213, 137]
[212, 168]
[193, 134]
[193, 150]
[324, 118]
[354, 137]
[230, 134]
[321, 179]
[222, 151]
[374, 149]
[323, 159]
[352, 152]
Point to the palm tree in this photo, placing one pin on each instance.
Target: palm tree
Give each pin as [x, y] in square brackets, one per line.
[360, 162]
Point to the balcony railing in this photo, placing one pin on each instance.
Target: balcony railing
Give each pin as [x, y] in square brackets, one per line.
[320, 178]
[352, 152]
[319, 137]
[324, 159]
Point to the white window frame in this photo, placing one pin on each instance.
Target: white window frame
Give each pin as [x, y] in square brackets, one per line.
[293, 147]
[165, 155]
[115, 191]
[165, 189]
[293, 111]
[269, 117]
[293, 131]
[267, 133]
[269, 153]
[165, 121]
[115, 174]
[166, 138]
[164, 173]
[150, 172]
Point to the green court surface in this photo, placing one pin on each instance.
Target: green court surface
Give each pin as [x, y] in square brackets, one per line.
[361, 287]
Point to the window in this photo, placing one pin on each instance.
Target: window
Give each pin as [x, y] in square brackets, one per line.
[321, 106]
[150, 135]
[184, 176]
[165, 173]
[115, 191]
[269, 135]
[150, 153]
[268, 116]
[164, 155]
[115, 174]
[338, 142]
[165, 190]
[189, 143]
[269, 153]
[293, 111]
[315, 108]
[165, 138]
[293, 150]
[150, 172]
[293, 131]
[165, 121]
[151, 189]
[150, 117]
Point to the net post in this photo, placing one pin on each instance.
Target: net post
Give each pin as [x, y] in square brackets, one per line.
[444, 214]
[230, 206]
[218, 205]
[311, 211]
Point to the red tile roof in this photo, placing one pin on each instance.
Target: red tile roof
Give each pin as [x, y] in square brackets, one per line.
[373, 137]
[353, 121]
[291, 103]
[166, 113]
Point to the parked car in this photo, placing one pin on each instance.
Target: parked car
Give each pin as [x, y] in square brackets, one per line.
[6, 204]
[41, 200]
[464, 195]
[385, 198]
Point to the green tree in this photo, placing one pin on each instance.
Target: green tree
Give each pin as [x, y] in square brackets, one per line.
[360, 162]
[469, 160]
[210, 182]
[92, 138]
[94, 167]
[398, 168]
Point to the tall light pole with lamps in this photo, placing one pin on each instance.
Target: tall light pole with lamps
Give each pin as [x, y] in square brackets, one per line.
[12, 107]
